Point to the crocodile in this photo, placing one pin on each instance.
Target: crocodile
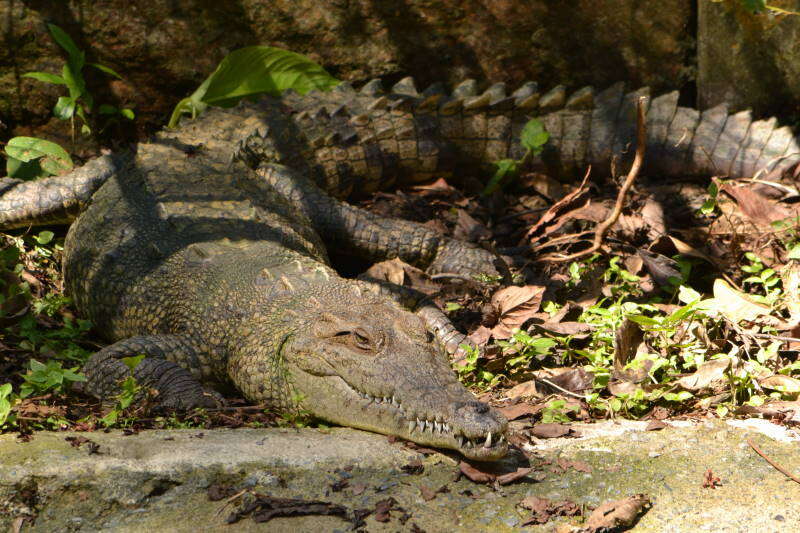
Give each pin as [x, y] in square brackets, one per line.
[205, 249]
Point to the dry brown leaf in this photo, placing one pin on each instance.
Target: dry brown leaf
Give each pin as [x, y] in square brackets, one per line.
[515, 305]
[526, 389]
[779, 382]
[618, 513]
[469, 229]
[481, 336]
[393, 271]
[512, 412]
[628, 343]
[758, 208]
[552, 431]
[655, 425]
[710, 375]
[557, 209]
[736, 305]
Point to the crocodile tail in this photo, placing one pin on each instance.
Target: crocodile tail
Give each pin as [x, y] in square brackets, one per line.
[372, 138]
[596, 129]
[53, 200]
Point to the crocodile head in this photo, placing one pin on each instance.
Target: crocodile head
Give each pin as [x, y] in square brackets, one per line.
[373, 366]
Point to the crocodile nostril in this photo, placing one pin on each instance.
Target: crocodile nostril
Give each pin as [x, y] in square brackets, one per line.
[480, 408]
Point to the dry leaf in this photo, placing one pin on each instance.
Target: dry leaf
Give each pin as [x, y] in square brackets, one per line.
[552, 431]
[760, 209]
[469, 229]
[710, 375]
[779, 382]
[515, 305]
[736, 305]
[512, 412]
[619, 513]
[526, 389]
[393, 271]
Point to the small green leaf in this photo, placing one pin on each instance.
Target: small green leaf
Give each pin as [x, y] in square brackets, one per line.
[132, 362]
[45, 77]
[534, 136]
[76, 55]
[127, 113]
[54, 159]
[44, 237]
[504, 167]
[451, 306]
[794, 252]
[74, 81]
[107, 70]
[64, 108]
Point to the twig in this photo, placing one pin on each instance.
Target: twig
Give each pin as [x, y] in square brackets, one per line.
[451, 275]
[775, 465]
[565, 391]
[230, 500]
[603, 227]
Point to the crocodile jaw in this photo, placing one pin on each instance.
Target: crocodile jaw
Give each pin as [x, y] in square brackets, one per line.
[462, 423]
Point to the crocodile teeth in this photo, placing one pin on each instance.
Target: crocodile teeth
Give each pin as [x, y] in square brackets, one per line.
[446, 427]
[460, 441]
[420, 425]
[488, 443]
[395, 402]
[411, 426]
[437, 426]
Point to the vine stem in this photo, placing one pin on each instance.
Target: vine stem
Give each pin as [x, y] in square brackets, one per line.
[633, 173]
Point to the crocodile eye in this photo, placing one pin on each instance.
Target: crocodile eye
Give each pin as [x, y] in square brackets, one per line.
[361, 339]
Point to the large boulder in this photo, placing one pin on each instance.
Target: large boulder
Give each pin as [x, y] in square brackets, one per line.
[165, 48]
[748, 60]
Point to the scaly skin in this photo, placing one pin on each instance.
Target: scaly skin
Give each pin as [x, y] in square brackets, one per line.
[203, 248]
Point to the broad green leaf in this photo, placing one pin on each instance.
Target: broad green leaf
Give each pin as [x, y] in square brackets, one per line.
[534, 136]
[64, 108]
[254, 70]
[76, 55]
[504, 167]
[107, 70]
[54, 159]
[265, 69]
[794, 252]
[45, 77]
[24, 170]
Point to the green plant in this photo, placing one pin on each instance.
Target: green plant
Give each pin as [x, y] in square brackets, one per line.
[526, 348]
[533, 139]
[30, 157]
[470, 371]
[761, 6]
[80, 102]
[7, 400]
[48, 377]
[251, 71]
[557, 411]
[130, 391]
[764, 278]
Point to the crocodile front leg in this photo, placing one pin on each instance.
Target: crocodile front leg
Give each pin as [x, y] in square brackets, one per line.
[376, 238]
[53, 200]
[177, 388]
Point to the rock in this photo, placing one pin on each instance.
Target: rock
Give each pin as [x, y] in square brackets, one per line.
[180, 480]
[165, 48]
[748, 60]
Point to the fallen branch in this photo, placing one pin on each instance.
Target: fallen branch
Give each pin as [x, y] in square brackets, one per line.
[603, 227]
[775, 465]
